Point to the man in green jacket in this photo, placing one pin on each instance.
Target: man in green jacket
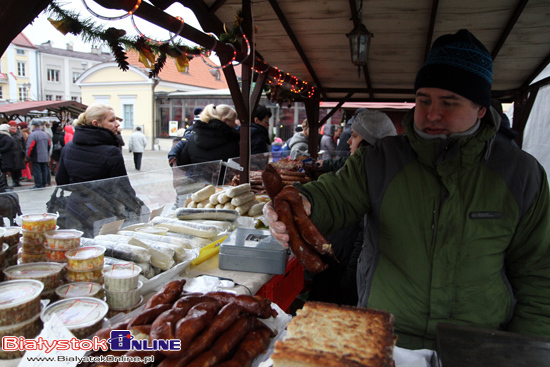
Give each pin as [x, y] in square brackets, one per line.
[457, 223]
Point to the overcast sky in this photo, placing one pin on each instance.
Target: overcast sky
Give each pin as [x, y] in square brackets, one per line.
[41, 30]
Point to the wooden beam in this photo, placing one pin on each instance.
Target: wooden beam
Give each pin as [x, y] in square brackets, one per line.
[431, 25]
[536, 72]
[312, 113]
[333, 111]
[295, 42]
[246, 83]
[509, 26]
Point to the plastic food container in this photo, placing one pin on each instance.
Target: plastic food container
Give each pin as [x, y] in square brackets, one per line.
[29, 329]
[80, 289]
[85, 276]
[33, 236]
[32, 247]
[85, 258]
[12, 251]
[161, 231]
[3, 253]
[19, 300]
[39, 222]
[11, 235]
[55, 255]
[83, 316]
[49, 295]
[123, 300]
[121, 277]
[63, 239]
[26, 258]
[46, 272]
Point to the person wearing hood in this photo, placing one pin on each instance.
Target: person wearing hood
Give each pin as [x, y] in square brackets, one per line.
[18, 153]
[38, 152]
[331, 134]
[299, 142]
[91, 156]
[6, 152]
[69, 133]
[214, 138]
[343, 147]
[277, 149]
[457, 222]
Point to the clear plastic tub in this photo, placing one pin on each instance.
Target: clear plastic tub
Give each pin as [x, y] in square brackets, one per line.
[80, 289]
[46, 272]
[83, 316]
[29, 329]
[63, 239]
[85, 276]
[26, 258]
[3, 253]
[33, 236]
[85, 258]
[32, 247]
[55, 255]
[123, 300]
[11, 235]
[19, 300]
[161, 231]
[39, 222]
[121, 277]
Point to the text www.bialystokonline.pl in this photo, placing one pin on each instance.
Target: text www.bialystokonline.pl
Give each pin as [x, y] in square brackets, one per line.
[94, 359]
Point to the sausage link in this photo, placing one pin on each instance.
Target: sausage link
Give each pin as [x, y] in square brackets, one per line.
[306, 255]
[272, 181]
[164, 325]
[105, 333]
[254, 343]
[308, 231]
[198, 317]
[259, 307]
[148, 316]
[224, 344]
[167, 294]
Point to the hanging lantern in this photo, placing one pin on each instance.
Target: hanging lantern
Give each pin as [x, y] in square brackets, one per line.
[359, 43]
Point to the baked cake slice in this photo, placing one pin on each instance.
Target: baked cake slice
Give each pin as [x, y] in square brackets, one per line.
[323, 334]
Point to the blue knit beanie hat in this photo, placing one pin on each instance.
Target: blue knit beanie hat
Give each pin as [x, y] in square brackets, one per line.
[461, 64]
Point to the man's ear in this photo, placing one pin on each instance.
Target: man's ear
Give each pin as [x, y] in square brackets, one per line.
[481, 112]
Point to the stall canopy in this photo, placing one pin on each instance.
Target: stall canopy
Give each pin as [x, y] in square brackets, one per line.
[12, 111]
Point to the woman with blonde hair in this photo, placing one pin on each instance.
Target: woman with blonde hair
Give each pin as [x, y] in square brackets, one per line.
[214, 137]
[94, 155]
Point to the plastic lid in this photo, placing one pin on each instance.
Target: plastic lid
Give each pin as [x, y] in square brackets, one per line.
[76, 312]
[64, 234]
[84, 253]
[39, 217]
[128, 270]
[17, 292]
[10, 231]
[33, 270]
[78, 289]
[5, 247]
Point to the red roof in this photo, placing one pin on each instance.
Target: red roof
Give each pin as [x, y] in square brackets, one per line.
[199, 73]
[24, 108]
[22, 40]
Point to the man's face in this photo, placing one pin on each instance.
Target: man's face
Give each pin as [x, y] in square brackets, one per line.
[440, 112]
[264, 122]
[337, 133]
[13, 129]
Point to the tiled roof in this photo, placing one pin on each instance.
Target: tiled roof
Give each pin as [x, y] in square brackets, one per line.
[22, 40]
[199, 73]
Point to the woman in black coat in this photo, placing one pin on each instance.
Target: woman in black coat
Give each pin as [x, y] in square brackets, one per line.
[6, 151]
[88, 160]
[58, 142]
[214, 137]
[18, 149]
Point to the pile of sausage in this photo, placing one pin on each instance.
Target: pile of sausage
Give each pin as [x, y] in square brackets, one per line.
[288, 176]
[306, 241]
[216, 329]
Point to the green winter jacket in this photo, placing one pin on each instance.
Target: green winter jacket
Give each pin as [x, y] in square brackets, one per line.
[458, 231]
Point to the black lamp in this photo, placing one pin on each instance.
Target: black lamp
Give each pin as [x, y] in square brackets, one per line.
[359, 43]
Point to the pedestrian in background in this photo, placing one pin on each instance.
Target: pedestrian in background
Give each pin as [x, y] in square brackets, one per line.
[18, 153]
[137, 145]
[38, 148]
[69, 133]
[259, 134]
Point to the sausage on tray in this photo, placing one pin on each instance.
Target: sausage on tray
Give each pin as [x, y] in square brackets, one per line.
[259, 307]
[168, 294]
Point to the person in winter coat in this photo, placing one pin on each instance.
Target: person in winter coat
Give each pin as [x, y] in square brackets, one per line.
[214, 137]
[58, 142]
[277, 149]
[137, 145]
[38, 152]
[453, 236]
[6, 151]
[18, 153]
[69, 133]
[91, 156]
[299, 142]
[331, 133]
[343, 147]
[259, 135]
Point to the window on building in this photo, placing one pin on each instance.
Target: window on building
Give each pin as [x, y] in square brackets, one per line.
[53, 75]
[23, 94]
[1, 93]
[128, 110]
[49, 97]
[76, 76]
[21, 69]
[74, 99]
[19, 52]
[58, 98]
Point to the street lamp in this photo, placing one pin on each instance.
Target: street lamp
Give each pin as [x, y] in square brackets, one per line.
[359, 44]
